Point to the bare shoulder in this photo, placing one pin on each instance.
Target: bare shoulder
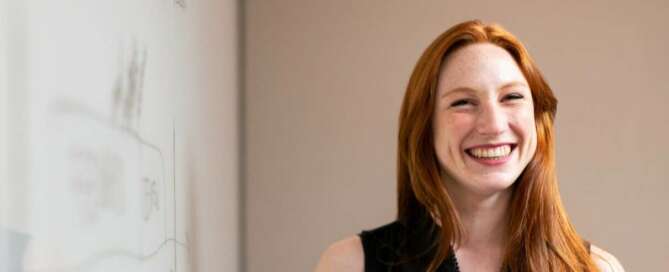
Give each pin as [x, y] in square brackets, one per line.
[604, 260]
[344, 255]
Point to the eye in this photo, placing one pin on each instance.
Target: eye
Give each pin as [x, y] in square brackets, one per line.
[513, 96]
[461, 103]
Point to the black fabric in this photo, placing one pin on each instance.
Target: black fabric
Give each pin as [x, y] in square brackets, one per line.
[398, 248]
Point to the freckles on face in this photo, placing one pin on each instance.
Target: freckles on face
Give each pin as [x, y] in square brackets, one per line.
[450, 130]
[484, 131]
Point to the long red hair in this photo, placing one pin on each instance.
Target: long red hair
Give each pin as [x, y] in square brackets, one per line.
[540, 236]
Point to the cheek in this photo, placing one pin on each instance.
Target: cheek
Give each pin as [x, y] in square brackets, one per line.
[450, 131]
[524, 126]
[530, 134]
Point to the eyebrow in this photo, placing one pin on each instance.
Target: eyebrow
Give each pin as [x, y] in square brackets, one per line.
[470, 90]
[457, 90]
[515, 84]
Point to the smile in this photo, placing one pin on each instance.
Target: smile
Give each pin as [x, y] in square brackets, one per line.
[494, 154]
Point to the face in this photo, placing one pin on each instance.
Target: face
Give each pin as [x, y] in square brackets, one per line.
[484, 130]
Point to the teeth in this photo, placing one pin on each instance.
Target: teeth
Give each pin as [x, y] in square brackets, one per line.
[496, 152]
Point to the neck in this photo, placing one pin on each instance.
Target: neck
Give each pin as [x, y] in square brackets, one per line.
[483, 216]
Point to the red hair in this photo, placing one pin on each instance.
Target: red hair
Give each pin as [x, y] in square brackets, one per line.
[540, 236]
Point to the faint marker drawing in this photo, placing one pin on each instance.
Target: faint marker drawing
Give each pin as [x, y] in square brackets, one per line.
[151, 198]
[95, 168]
[96, 180]
[180, 3]
[127, 90]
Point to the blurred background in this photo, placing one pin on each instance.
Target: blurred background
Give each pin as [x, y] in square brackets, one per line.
[191, 135]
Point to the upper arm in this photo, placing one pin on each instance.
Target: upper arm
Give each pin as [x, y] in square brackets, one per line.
[344, 255]
[604, 260]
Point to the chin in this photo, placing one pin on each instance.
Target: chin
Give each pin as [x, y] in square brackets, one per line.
[488, 186]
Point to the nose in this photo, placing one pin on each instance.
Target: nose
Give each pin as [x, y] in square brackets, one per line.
[492, 120]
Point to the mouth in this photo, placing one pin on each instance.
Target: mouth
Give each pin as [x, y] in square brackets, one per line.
[491, 154]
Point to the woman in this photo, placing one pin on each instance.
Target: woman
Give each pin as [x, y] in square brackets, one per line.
[477, 185]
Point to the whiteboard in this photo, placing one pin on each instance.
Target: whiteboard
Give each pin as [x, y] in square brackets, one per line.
[96, 133]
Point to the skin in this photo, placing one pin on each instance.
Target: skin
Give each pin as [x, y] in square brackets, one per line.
[483, 98]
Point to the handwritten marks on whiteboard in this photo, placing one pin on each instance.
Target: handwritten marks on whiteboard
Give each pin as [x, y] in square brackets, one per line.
[151, 198]
[109, 134]
[128, 86]
[114, 175]
[180, 3]
[96, 180]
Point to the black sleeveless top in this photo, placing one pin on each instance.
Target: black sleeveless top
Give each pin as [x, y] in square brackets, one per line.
[398, 248]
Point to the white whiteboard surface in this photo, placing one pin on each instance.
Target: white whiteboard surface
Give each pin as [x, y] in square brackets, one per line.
[102, 117]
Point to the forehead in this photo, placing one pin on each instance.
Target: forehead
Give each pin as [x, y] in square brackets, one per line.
[480, 66]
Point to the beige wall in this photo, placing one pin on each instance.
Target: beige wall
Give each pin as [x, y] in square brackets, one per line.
[324, 82]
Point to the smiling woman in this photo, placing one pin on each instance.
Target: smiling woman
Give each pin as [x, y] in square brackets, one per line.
[477, 186]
